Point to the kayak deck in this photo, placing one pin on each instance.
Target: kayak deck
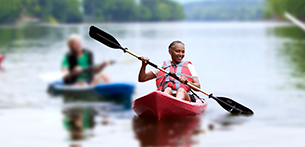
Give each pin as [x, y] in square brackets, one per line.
[116, 95]
[158, 105]
[124, 90]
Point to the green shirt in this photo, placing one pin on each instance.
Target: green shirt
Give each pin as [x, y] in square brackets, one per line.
[83, 62]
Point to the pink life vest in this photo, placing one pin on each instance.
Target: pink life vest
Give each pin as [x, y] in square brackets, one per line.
[181, 70]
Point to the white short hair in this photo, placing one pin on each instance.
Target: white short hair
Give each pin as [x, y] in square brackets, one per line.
[73, 37]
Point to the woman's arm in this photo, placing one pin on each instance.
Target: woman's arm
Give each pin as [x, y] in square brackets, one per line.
[100, 67]
[143, 76]
[194, 75]
[196, 82]
[64, 70]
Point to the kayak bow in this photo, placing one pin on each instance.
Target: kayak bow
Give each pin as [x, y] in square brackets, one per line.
[158, 105]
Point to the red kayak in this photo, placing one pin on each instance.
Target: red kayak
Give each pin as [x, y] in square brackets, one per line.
[1, 57]
[158, 105]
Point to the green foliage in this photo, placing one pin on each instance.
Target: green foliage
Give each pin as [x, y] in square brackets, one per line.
[146, 14]
[9, 10]
[65, 11]
[224, 10]
[128, 10]
[70, 11]
[163, 10]
[110, 10]
[276, 8]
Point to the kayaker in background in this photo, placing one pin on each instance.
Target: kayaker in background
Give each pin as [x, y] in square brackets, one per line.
[78, 64]
[1, 59]
[183, 69]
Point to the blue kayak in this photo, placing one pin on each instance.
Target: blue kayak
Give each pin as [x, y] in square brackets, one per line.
[109, 90]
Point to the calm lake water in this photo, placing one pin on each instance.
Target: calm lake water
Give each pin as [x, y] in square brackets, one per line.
[257, 64]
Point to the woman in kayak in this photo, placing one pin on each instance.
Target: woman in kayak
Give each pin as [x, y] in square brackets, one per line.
[78, 59]
[183, 69]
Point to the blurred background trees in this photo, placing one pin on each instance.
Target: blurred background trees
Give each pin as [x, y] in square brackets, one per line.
[76, 11]
[110, 10]
[65, 11]
[224, 10]
[155, 10]
[276, 8]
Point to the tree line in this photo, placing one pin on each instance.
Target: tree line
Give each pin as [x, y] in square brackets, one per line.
[76, 11]
[128, 10]
[224, 10]
[276, 8]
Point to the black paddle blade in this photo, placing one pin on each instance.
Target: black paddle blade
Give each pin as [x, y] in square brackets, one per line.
[232, 106]
[104, 38]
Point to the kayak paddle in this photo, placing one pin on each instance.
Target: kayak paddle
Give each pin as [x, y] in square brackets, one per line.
[57, 75]
[228, 104]
[53, 76]
[67, 78]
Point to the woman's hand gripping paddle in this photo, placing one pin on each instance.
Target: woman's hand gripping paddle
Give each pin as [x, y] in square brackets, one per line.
[228, 104]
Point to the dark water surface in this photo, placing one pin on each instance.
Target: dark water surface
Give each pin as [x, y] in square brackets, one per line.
[258, 64]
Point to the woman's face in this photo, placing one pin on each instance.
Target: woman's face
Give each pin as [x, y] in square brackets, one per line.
[177, 53]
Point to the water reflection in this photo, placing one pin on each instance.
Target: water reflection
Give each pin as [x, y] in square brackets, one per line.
[227, 121]
[245, 71]
[289, 31]
[82, 116]
[35, 37]
[83, 105]
[292, 52]
[166, 132]
[27, 37]
[79, 122]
